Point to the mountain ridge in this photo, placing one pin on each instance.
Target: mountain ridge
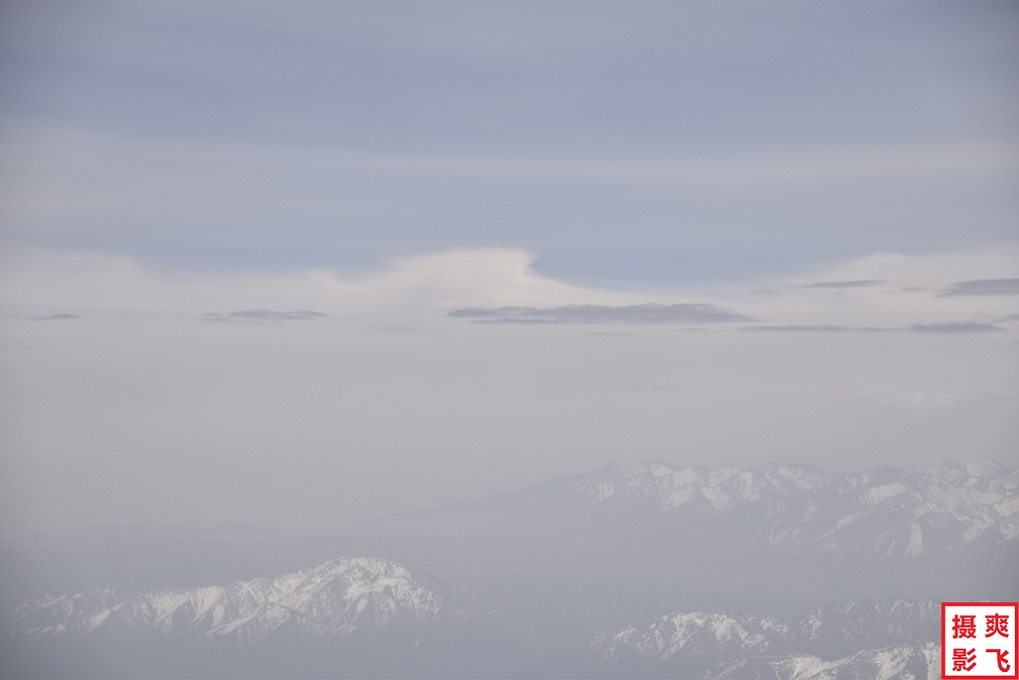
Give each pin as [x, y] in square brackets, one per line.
[839, 639]
[374, 592]
[928, 501]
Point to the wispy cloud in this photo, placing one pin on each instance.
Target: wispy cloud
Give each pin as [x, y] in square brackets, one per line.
[263, 316]
[955, 327]
[946, 327]
[806, 328]
[56, 317]
[681, 313]
[863, 283]
[982, 287]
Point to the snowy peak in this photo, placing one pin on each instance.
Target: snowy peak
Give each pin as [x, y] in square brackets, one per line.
[670, 487]
[740, 644]
[335, 598]
[916, 661]
[630, 478]
[890, 511]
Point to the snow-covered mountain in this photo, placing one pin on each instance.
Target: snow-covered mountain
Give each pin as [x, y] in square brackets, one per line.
[332, 599]
[904, 511]
[349, 617]
[525, 581]
[372, 617]
[844, 639]
[918, 661]
[778, 537]
[722, 537]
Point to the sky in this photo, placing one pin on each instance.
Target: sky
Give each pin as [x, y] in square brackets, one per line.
[305, 263]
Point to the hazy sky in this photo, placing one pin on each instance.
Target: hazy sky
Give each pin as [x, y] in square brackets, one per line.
[310, 262]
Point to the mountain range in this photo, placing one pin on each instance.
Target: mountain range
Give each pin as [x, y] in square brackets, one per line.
[637, 569]
[355, 616]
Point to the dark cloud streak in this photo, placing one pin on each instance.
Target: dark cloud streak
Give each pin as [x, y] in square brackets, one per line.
[650, 313]
[945, 327]
[262, 316]
[982, 287]
[863, 283]
[955, 327]
[56, 317]
[809, 328]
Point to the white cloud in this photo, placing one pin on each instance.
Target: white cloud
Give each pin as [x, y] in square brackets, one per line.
[885, 291]
[432, 284]
[878, 293]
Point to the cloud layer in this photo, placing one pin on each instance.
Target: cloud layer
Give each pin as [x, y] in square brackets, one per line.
[313, 388]
[981, 287]
[262, 316]
[649, 313]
